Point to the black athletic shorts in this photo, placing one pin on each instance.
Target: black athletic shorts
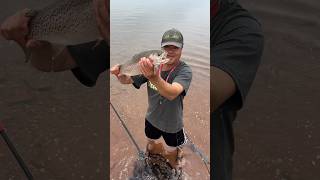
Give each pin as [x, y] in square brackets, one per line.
[171, 139]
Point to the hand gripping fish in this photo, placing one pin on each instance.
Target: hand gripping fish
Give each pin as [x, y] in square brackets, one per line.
[65, 22]
[131, 68]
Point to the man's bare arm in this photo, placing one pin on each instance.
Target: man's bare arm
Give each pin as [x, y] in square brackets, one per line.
[167, 90]
[222, 87]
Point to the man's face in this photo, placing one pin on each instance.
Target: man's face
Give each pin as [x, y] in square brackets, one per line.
[174, 53]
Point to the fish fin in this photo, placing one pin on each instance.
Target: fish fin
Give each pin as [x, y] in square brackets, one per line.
[57, 49]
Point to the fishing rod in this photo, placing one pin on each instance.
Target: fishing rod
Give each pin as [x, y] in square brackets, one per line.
[15, 152]
[140, 152]
[192, 146]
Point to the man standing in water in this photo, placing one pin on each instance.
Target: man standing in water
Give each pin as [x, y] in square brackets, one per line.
[166, 87]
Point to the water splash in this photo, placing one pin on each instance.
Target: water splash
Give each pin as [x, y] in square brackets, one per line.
[154, 168]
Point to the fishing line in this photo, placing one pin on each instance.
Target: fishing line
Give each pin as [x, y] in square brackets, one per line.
[197, 151]
[192, 146]
[141, 153]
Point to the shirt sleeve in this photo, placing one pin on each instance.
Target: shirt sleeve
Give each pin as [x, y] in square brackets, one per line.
[138, 80]
[91, 60]
[184, 78]
[238, 51]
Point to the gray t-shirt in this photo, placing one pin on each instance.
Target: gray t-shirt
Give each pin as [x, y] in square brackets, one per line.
[162, 113]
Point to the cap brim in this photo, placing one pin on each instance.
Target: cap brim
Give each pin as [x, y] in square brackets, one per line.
[179, 45]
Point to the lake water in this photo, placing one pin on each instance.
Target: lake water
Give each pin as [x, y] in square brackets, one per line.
[139, 25]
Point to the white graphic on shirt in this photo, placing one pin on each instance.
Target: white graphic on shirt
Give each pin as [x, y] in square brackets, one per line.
[152, 86]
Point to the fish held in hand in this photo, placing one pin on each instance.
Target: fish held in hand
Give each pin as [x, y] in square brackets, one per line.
[65, 22]
[131, 68]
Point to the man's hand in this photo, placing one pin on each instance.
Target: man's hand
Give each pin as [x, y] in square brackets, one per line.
[101, 8]
[124, 79]
[167, 90]
[147, 68]
[15, 27]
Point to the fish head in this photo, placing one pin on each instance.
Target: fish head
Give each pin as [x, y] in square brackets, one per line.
[159, 59]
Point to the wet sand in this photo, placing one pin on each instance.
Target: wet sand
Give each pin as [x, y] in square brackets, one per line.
[277, 133]
[58, 126]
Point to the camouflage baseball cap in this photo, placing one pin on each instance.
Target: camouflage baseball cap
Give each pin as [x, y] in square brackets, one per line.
[172, 37]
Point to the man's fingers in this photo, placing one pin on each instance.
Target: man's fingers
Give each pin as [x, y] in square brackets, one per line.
[150, 63]
[141, 66]
[147, 64]
[35, 43]
[143, 71]
[144, 65]
[15, 27]
[115, 69]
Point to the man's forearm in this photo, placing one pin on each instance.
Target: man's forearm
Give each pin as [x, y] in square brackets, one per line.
[169, 91]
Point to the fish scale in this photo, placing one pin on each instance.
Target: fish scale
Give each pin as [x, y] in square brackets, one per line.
[65, 22]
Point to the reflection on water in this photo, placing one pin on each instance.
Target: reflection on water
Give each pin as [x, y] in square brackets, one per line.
[138, 25]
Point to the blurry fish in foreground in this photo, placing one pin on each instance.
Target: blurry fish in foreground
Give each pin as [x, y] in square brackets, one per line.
[131, 68]
[64, 22]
